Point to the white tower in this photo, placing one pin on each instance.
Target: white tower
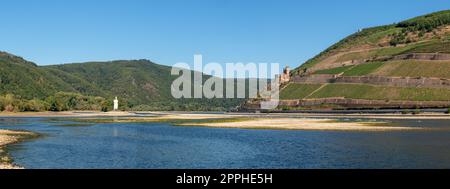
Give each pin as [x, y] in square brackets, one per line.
[116, 104]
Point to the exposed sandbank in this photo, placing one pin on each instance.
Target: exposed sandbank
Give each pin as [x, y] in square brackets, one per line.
[292, 121]
[303, 124]
[259, 121]
[9, 137]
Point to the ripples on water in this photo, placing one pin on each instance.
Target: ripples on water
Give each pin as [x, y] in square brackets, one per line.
[157, 145]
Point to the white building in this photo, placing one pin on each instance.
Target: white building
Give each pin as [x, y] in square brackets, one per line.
[116, 104]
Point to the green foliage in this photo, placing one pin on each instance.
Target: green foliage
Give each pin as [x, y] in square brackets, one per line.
[382, 52]
[356, 70]
[431, 47]
[371, 36]
[421, 24]
[36, 105]
[416, 112]
[26, 80]
[415, 68]
[63, 101]
[426, 23]
[362, 91]
[334, 71]
[188, 105]
[9, 103]
[418, 35]
[297, 91]
[60, 102]
[363, 69]
[399, 38]
[139, 84]
[362, 37]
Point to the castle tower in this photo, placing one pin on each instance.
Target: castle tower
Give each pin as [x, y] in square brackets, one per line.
[287, 71]
[286, 75]
[116, 104]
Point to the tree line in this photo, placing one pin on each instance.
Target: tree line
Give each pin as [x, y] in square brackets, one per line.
[67, 101]
[420, 25]
[426, 23]
[61, 101]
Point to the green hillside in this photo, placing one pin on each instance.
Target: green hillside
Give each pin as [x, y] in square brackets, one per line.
[139, 84]
[418, 48]
[370, 92]
[298, 91]
[140, 81]
[428, 33]
[27, 80]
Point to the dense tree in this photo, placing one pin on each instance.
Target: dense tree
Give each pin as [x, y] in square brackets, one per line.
[426, 23]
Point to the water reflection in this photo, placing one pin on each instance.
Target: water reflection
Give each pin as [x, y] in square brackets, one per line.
[157, 145]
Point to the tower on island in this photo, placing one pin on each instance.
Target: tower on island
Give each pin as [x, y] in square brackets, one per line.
[116, 104]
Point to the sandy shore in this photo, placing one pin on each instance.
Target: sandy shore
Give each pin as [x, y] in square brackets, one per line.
[304, 124]
[10, 137]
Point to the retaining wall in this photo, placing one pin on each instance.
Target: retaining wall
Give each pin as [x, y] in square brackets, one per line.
[376, 80]
[394, 81]
[411, 56]
[422, 56]
[359, 103]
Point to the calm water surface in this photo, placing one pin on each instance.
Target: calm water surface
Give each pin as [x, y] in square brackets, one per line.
[157, 145]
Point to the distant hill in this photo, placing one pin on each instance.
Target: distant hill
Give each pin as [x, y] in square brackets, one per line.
[407, 62]
[139, 81]
[139, 84]
[27, 80]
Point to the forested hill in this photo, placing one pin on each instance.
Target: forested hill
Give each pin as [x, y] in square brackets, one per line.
[139, 84]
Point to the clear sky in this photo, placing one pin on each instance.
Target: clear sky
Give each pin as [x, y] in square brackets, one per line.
[171, 31]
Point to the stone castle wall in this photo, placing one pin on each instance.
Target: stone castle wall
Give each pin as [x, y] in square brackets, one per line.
[375, 80]
[422, 56]
[360, 103]
[395, 81]
[354, 103]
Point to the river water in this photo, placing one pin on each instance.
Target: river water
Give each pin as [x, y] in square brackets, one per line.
[159, 145]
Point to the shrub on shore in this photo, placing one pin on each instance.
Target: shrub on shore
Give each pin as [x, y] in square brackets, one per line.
[416, 112]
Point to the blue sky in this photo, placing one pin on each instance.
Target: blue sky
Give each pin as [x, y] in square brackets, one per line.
[285, 31]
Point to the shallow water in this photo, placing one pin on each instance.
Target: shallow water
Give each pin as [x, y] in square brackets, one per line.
[158, 145]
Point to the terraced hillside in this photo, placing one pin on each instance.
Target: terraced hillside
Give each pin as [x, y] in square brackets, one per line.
[408, 63]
